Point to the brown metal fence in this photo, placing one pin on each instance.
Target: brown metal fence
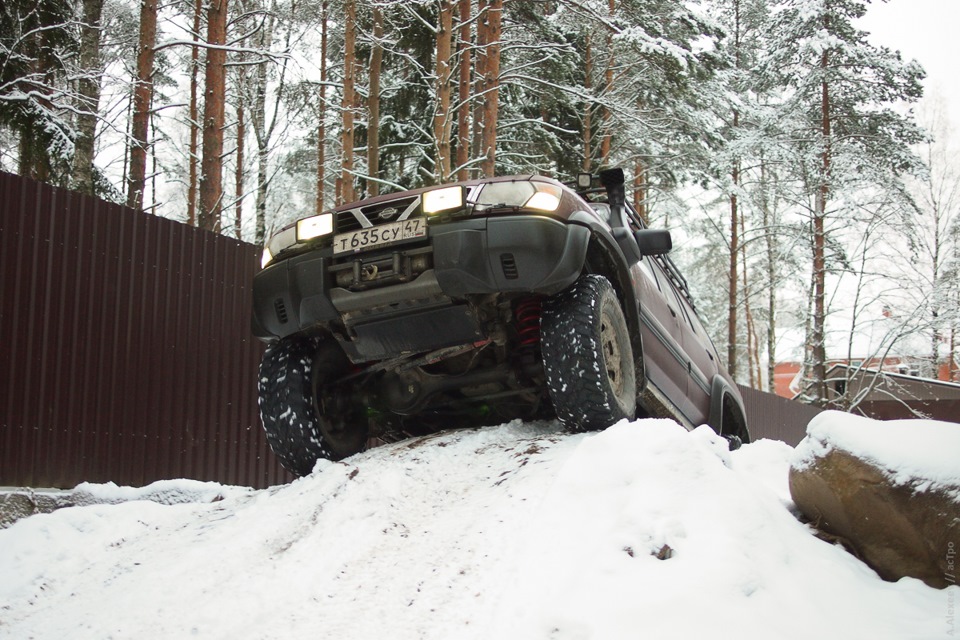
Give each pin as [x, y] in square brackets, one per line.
[775, 418]
[125, 348]
[126, 353]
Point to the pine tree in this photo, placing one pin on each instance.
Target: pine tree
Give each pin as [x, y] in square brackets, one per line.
[348, 106]
[321, 117]
[194, 117]
[211, 166]
[88, 92]
[845, 134]
[492, 33]
[373, 105]
[933, 240]
[442, 119]
[464, 46]
[36, 45]
[142, 103]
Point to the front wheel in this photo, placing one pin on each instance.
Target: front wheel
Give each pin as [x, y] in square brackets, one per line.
[305, 415]
[587, 356]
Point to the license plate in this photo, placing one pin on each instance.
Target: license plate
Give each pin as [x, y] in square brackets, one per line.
[380, 235]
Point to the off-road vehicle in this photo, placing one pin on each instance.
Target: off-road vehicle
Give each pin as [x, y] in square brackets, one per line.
[476, 303]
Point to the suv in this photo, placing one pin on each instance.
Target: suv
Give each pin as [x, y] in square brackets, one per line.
[477, 303]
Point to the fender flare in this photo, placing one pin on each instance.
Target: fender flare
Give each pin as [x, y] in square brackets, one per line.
[602, 238]
[721, 390]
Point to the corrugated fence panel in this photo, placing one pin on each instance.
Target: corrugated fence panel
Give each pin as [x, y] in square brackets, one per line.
[770, 416]
[125, 348]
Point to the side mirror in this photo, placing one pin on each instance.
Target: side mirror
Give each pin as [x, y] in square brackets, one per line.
[653, 242]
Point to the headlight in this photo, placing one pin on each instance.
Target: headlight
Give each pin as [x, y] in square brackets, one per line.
[445, 199]
[278, 243]
[314, 227]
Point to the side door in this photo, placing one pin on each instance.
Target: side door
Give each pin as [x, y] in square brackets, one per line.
[702, 356]
[660, 331]
[666, 363]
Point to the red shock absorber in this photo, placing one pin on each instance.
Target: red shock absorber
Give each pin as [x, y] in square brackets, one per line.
[527, 314]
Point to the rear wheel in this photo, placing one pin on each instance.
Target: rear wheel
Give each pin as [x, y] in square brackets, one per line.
[305, 416]
[734, 426]
[587, 356]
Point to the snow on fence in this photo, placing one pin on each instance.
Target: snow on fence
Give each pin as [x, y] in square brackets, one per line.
[125, 347]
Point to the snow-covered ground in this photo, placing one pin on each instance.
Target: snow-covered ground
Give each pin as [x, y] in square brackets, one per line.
[518, 531]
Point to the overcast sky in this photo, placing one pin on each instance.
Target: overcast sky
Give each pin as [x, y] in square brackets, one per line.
[926, 31]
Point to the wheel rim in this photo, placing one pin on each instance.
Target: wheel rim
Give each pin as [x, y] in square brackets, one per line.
[612, 356]
[339, 416]
[338, 421]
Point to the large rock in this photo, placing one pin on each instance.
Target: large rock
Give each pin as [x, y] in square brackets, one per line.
[17, 503]
[889, 490]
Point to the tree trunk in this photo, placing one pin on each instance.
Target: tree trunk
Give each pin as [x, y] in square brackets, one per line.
[935, 286]
[753, 355]
[142, 98]
[588, 106]
[194, 117]
[605, 126]
[491, 83]
[373, 105]
[480, 80]
[818, 355]
[952, 363]
[44, 25]
[463, 97]
[349, 98]
[441, 118]
[732, 280]
[772, 279]
[238, 176]
[952, 368]
[211, 166]
[88, 88]
[321, 124]
[260, 128]
[640, 190]
[34, 162]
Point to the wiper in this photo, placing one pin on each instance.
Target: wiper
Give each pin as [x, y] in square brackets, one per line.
[501, 205]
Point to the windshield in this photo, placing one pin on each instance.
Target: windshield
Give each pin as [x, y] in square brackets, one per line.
[511, 194]
[521, 193]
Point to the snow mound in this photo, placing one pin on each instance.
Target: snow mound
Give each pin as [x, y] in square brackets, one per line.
[911, 451]
[517, 531]
[161, 492]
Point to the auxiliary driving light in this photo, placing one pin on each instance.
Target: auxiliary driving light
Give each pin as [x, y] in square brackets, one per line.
[445, 199]
[314, 226]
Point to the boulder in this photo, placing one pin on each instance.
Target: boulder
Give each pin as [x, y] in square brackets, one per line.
[20, 503]
[897, 512]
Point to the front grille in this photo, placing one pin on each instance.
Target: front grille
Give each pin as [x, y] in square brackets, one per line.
[380, 213]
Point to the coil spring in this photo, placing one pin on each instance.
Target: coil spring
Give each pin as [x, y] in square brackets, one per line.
[527, 314]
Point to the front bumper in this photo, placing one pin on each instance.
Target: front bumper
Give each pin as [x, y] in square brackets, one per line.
[515, 254]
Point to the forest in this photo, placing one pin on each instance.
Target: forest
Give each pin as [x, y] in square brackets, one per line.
[812, 191]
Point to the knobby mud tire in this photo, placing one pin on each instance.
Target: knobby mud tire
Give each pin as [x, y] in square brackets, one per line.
[289, 372]
[587, 356]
